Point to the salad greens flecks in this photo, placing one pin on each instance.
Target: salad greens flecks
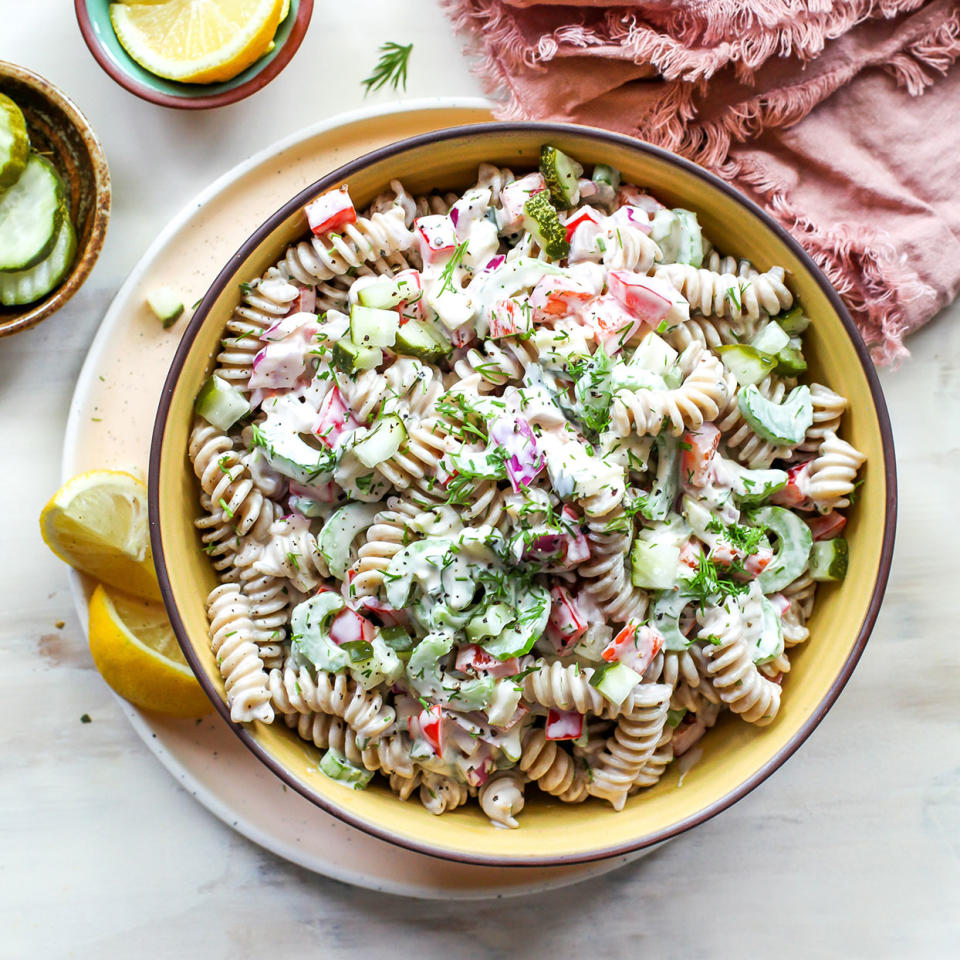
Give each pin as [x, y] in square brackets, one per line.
[506, 464]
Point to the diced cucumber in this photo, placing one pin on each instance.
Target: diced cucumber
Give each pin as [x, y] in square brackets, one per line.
[373, 327]
[418, 556]
[756, 486]
[675, 717]
[420, 339]
[561, 174]
[165, 303]
[540, 219]
[351, 358]
[337, 767]
[665, 230]
[308, 507]
[829, 559]
[220, 403]
[288, 453]
[491, 622]
[382, 442]
[34, 283]
[341, 529]
[690, 244]
[602, 173]
[791, 362]
[382, 294]
[666, 618]
[794, 541]
[653, 564]
[784, 424]
[14, 142]
[655, 354]
[794, 321]
[746, 363]
[771, 339]
[615, 681]
[31, 212]
[529, 621]
[770, 644]
[397, 639]
[359, 651]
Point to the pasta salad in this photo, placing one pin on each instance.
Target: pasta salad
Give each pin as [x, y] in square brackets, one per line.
[516, 488]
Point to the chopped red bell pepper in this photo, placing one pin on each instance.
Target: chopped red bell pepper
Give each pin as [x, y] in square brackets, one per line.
[634, 646]
[431, 727]
[794, 494]
[563, 725]
[586, 215]
[699, 447]
[348, 627]
[828, 526]
[473, 657]
[335, 418]
[635, 294]
[330, 211]
[567, 623]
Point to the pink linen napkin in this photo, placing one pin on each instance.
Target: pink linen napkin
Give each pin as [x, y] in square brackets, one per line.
[841, 118]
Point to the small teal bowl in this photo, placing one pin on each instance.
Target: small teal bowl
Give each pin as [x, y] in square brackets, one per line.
[93, 16]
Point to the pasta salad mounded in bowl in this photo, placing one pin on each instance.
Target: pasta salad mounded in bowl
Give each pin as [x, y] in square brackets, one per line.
[515, 488]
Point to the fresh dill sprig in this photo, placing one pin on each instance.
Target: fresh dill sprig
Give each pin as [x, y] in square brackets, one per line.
[391, 67]
[452, 264]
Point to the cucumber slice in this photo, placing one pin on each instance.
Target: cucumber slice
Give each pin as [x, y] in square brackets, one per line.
[653, 564]
[382, 442]
[746, 363]
[491, 622]
[540, 219]
[165, 303]
[794, 541]
[791, 362]
[310, 629]
[666, 618]
[561, 174]
[31, 213]
[829, 559]
[34, 283]
[771, 339]
[14, 142]
[381, 294]
[337, 767]
[794, 321]
[532, 610]
[784, 424]
[420, 339]
[288, 453]
[690, 244]
[756, 486]
[615, 681]
[373, 327]
[221, 404]
[351, 358]
[770, 644]
[675, 717]
[339, 532]
[397, 639]
[602, 173]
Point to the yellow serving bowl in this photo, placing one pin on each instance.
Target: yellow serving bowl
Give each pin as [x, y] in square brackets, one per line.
[736, 756]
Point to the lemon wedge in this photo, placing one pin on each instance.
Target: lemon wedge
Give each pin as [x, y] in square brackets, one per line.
[97, 522]
[196, 41]
[134, 648]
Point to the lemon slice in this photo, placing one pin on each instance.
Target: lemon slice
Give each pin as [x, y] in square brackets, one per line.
[97, 522]
[196, 41]
[134, 648]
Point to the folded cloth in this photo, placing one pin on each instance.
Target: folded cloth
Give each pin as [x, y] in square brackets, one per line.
[838, 118]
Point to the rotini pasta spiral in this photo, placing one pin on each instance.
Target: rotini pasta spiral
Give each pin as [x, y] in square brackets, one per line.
[370, 239]
[237, 655]
[739, 438]
[633, 743]
[566, 687]
[439, 793]
[833, 472]
[553, 770]
[727, 295]
[391, 531]
[224, 477]
[501, 797]
[699, 398]
[653, 770]
[828, 408]
[607, 579]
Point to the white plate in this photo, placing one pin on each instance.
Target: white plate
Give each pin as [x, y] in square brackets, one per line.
[111, 418]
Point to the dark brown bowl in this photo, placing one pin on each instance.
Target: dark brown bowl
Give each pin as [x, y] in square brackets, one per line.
[61, 132]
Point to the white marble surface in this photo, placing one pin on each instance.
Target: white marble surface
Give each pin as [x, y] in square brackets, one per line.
[851, 850]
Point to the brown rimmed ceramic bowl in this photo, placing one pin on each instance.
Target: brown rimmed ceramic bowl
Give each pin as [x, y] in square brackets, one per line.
[61, 132]
[93, 16]
[736, 756]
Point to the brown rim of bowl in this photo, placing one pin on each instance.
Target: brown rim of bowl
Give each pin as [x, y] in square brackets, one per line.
[87, 257]
[255, 83]
[890, 513]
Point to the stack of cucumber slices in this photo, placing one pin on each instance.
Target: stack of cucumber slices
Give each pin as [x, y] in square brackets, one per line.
[37, 239]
